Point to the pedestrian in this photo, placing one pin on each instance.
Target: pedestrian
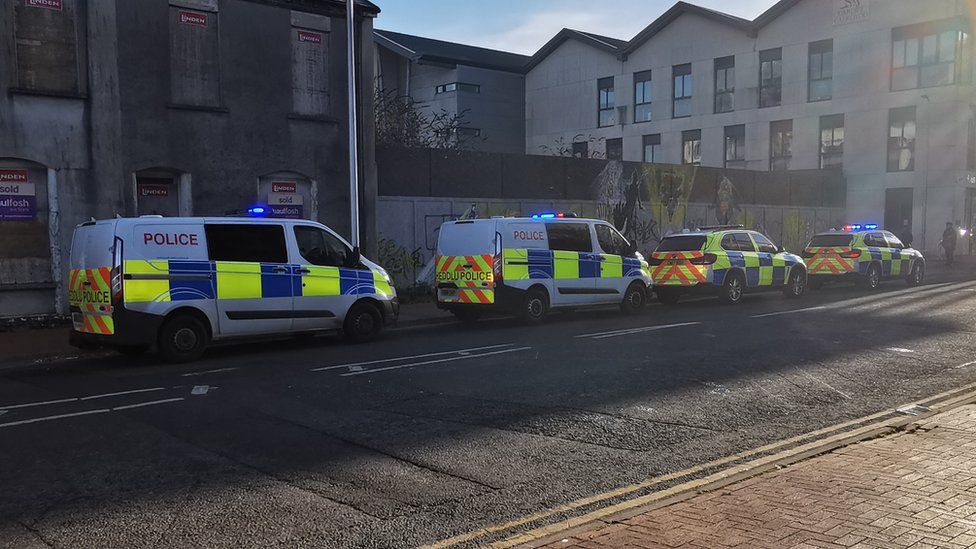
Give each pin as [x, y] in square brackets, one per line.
[949, 237]
[905, 235]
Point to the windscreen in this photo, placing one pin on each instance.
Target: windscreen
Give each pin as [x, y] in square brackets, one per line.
[681, 244]
[471, 238]
[830, 241]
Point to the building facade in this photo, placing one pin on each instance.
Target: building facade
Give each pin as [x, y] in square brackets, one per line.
[881, 88]
[178, 107]
[487, 86]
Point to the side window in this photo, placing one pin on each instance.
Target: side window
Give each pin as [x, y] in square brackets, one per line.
[744, 242]
[320, 247]
[569, 237]
[729, 244]
[894, 241]
[252, 243]
[605, 237]
[765, 245]
[875, 240]
[623, 247]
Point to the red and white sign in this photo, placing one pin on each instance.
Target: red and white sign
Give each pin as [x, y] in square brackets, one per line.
[57, 5]
[13, 175]
[312, 37]
[193, 18]
[153, 189]
[284, 187]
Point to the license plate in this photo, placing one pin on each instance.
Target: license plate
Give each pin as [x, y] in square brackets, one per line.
[77, 321]
[449, 294]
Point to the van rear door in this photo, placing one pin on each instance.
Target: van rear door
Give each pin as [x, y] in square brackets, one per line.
[90, 284]
[464, 270]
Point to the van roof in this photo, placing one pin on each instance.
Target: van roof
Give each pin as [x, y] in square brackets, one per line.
[529, 218]
[201, 219]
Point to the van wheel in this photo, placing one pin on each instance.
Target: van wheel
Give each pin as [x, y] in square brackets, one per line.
[731, 291]
[634, 299]
[918, 275]
[872, 279]
[183, 338]
[535, 307]
[466, 316]
[363, 323]
[668, 296]
[132, 350]
[796, 286]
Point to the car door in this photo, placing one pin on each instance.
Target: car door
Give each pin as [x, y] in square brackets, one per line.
[575, 266]
[254, 279]
[880, 252]
[750, 256]
[901, 259]
[612, 282]
[325, 265]
[772, 268]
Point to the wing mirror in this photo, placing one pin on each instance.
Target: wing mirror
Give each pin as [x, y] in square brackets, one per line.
[780, 249]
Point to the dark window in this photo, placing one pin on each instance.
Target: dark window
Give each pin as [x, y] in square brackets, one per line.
[830, 241]
[691, 147]
[615, 149]
[832, 141]
[457, 86]
[569, 237]
[780, 145]
[729, 244]
[744, 243]
[612, 242]
[929, 54]
[875, 240]
[310, 71]
[652, 147]
[901, 139]
[194, 57]
[735, 146]
[681, 102]
[821, 70]
[681, 244]
[642, 96]
[581, 149]
[770, 77]
[725, 84]
[46, 46]
[253, 243]
[607, 111]
[320, 247]
[766, 246]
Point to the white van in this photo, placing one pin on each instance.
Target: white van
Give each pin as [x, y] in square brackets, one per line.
[530, 265]
[180, 283]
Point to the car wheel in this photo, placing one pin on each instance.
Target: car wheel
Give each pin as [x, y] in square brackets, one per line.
[467, 316]
[132, 350]
[796, 286]
[732, 289]
[363, 323]
[918, 275]
[535, 307]
[668, 296]
[183, 338]
[634, 299]
[872, 279]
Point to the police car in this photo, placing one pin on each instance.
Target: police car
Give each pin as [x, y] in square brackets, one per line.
[529, 265]
[180, 283]
[727, 261]
[864, 254]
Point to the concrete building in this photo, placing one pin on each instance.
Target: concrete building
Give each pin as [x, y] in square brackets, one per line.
[179, 107]
[882, 88]
[486, 85]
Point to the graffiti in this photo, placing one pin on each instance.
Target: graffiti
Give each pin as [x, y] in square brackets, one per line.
[398, 261]
[725, 207]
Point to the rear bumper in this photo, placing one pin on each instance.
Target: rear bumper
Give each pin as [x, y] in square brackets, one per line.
[131, 329]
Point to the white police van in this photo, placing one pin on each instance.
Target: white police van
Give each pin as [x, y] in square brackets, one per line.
[529, 265]
[180, 283]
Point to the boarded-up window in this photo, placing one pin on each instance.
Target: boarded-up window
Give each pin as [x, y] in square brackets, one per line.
[310, 75]
[47, 38]
[194, 57]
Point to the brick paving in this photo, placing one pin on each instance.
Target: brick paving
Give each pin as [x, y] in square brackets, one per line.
[915, 489]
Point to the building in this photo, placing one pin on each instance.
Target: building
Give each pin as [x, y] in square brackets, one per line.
[882, 89]
[179, 107]
[486, 85]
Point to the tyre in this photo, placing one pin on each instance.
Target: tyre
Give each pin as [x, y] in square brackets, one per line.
[535, 306]
[363, 323]
[132, 350]
[668, 296]
[465, 315]
[872, 279]
[183, 338]
[796, 286]
[732, 288]
[634, 299]
[917, 275]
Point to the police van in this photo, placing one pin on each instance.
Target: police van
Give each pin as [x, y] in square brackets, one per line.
[529, 265]
[180, 283]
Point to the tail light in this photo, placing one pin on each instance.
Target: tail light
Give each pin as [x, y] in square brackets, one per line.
[706, 259]
[853, 254]
[116, 273]
[498, 260]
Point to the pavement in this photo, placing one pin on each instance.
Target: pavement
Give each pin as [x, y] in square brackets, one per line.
[442, 431]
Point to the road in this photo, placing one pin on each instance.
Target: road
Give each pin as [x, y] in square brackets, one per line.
[433, 432]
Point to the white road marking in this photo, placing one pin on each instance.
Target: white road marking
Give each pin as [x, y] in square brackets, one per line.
[966, 365]
[629, 331]
[43, 403]
[79, 399]
[59, 416]
[188, 374]
[150, 403]
[408, 357]
[107, 395]
[898, 350]
[790, 312]
[437, 361]
[827, 385]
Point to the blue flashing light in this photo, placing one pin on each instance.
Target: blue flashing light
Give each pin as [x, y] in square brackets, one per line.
[544, 216]
[257, 211]
[871, 227]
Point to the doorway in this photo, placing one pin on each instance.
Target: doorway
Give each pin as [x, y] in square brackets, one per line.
[898, 209]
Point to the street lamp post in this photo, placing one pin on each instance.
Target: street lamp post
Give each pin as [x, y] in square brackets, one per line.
[353, 141]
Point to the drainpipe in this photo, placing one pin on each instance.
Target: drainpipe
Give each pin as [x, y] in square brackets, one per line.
[54, 239]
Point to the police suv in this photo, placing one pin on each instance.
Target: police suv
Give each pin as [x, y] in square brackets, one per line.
[531, 265]
[863, 254]
[180, 283]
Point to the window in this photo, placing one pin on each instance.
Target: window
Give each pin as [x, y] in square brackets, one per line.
[928, 55]
[681, 243]
[780, 145]
[611, 242]
[468, 132]
[729, 244]
[46, 46]
[894, 241]
[770, 77]
[830, 241]
[735, 146]
[615, 149]
[320, 247]
[820, 70]
[725, 84]
[607, 115]
[457, 86]
[642, 96]
[652, 147]
[264, 243]
[691, 147]
[765, 245]
[901, 139]
[581, 149]
[194, 57]
[744, 243]
[310, 70]
[681, 103]
[832, 141]
[569, 237]
[875, 240]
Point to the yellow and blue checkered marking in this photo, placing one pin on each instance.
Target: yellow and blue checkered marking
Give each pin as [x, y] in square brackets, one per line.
[527, 264]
